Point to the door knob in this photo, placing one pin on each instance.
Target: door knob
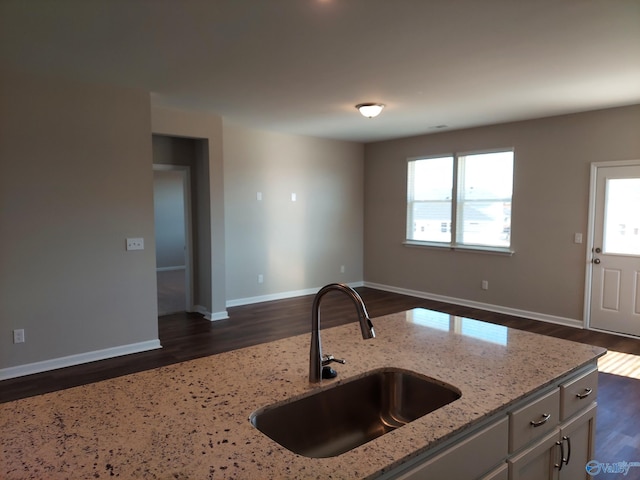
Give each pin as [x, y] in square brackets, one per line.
[596, 261]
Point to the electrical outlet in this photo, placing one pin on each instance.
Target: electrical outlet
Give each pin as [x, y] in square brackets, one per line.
[342, 270]
[485, 284]
[18, 335]
[135, 243]
[260, 278]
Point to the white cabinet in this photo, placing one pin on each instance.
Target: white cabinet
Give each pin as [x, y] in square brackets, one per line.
[562, 453]
[547, 436]
[559, 455]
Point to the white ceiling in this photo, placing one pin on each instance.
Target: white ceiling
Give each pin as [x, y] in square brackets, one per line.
[300, 66]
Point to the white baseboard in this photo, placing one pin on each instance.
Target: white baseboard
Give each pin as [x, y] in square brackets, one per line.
[68, 361]
[569, 322]
[281, 296]
[209, 315]
[213, 316]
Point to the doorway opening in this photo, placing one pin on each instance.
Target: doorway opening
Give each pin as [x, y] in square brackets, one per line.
[183, 248]
[172, 210]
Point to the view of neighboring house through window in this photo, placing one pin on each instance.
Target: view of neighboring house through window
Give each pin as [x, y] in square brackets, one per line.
[461, 200]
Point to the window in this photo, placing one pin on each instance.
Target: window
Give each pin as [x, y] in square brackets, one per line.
[461, 200]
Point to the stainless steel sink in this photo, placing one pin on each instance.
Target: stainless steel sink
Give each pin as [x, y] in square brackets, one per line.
[337, 419]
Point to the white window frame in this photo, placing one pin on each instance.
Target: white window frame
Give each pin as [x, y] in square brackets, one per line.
[454, 244]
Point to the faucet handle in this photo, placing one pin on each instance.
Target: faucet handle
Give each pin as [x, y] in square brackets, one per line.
[327, 359]
[327, 371]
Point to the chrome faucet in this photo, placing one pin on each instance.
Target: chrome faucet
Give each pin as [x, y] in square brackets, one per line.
[316, 360]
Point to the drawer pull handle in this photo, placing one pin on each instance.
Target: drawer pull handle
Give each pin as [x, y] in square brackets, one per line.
[545, 419]
[587, 392]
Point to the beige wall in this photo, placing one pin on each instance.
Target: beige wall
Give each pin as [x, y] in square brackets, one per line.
[75, 182]
[296, 246]
[550, 203]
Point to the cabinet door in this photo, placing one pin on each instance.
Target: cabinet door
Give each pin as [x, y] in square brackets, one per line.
[578, 437]
[536, 462]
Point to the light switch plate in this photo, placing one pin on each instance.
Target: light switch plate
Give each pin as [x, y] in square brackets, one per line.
[18, 335]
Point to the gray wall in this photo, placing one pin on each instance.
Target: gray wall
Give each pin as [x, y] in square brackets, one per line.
[550, 203]
[297, 245]
[75, 182]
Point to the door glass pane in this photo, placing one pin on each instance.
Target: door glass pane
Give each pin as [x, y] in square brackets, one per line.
[622, 216]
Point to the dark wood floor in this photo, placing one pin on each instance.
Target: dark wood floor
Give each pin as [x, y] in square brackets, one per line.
[188, 336]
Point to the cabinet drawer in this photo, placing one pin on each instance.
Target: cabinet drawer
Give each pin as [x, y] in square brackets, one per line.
[578, 394]
[534, 420]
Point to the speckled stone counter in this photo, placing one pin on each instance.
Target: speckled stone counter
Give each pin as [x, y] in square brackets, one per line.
[191, 420]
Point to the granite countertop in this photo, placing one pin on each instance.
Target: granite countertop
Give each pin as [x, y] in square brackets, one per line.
[191, 420]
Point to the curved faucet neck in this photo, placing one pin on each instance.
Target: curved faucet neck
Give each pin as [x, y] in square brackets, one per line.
[366, 327]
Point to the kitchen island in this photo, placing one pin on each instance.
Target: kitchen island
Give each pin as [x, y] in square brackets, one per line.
[191, 420]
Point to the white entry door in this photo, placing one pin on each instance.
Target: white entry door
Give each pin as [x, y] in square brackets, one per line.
[615, 255]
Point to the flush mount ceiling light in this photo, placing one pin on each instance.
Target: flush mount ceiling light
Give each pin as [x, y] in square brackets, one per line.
[370, 110]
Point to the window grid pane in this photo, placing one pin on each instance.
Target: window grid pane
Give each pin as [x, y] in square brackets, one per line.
[484, 223]
[431, 221]
[429, 206]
